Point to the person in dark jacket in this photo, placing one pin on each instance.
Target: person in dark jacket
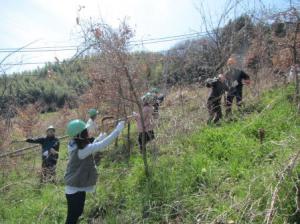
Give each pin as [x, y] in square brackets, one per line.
[50, 149]
[218, 88]
[236, 79]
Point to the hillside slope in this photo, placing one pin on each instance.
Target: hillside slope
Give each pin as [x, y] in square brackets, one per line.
[212, 175]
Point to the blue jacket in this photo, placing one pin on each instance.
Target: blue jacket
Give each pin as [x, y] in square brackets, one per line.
[47, 143]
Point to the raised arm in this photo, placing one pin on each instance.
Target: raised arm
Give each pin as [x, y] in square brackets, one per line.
[101, 145]
[35, 140]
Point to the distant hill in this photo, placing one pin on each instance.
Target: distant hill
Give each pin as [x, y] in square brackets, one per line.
[254, 45]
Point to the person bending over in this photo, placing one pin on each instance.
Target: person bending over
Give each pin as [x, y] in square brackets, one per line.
[218, 88]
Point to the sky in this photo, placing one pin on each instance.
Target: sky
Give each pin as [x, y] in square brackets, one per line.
[52, 23]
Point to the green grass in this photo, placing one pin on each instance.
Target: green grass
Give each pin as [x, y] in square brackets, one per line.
[222, 174]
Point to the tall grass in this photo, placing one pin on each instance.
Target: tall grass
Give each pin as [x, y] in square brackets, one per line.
[202, 175]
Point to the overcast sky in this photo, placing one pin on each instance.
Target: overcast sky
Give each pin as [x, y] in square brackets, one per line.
[53, 22]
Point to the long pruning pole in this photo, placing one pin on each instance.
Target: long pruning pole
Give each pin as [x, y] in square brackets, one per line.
[21, 150]
[13, 153]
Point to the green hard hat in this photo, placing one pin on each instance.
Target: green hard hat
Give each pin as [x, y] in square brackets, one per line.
[75, 127]
[154, 90]
[147, 97]
[93, 112]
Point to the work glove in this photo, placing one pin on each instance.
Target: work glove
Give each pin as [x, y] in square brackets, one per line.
[134, 114]
[100, 137]
[46, 153]
[235, 83]
[53, 151]
[120, 126]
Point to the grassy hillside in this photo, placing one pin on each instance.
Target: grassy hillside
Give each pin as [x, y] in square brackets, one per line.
[207, 175]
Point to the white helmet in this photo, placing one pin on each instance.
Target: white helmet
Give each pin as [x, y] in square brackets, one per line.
[51, 127]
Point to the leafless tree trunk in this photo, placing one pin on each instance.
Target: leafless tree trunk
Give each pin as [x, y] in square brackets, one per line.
[111, 46]
[295, 62]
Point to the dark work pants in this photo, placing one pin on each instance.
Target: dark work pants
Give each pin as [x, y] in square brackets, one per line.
[75, 206]
[149, 135]
[48, 172]
[214, 111]
[156, 107]
[235, 93]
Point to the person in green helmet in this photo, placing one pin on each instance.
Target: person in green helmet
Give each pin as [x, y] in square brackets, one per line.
[92, 126]
[148, 117]
[81, 174]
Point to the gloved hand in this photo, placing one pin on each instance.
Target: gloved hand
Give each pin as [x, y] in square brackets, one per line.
[46, 153]
[134, 113]
[120, 126]
[235, 83]
[100, 137]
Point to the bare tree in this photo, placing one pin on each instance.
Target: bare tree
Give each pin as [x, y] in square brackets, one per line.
[225, 36]
[114, 72]
[286, 35]
[8, 104]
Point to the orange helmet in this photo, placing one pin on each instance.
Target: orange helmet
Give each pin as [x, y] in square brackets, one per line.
[231, 61]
